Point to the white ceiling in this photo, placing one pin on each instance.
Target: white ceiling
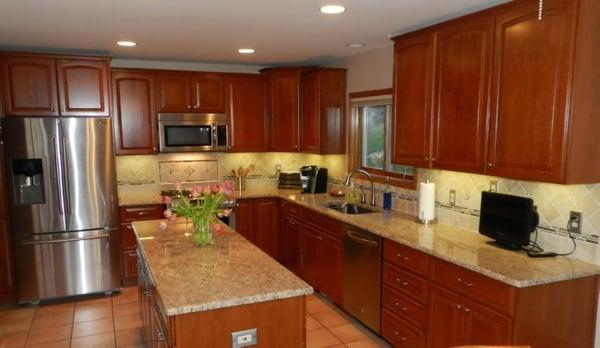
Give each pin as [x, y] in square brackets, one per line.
[281, 31]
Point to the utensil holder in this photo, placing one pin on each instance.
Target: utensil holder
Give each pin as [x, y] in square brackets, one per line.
[240, 183]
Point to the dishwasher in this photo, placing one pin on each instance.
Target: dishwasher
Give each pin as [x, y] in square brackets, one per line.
[362, 276]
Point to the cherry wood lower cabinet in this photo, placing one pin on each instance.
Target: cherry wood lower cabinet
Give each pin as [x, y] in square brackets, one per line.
[129, 214]
[7, 278]
[257, 221]
[289, 238]
[213, 328]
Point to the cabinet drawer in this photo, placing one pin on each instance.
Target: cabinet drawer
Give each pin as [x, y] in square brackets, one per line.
[289, 209]
[141, 212]
[127, 237]
[399, 333]
[331, 226]
[405, 282]
[405, 308]
[474, 285]
[405, 257]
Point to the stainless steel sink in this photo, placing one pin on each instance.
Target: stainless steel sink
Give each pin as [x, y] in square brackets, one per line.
[342, 207]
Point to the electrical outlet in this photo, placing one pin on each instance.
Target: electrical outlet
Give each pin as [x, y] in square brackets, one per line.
[467, 195]
[277, 168]
[243, 338]
[575, 221]
[493, 186]
[452, 198]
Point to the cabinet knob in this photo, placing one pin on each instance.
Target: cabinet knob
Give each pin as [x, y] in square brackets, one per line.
[458, 306]
[426, 158]
[490, 164]
[467, 309]
[189, 106]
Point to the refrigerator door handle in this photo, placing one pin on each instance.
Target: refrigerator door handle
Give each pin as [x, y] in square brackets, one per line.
[100, 236]
[59, 173]
[66, 178]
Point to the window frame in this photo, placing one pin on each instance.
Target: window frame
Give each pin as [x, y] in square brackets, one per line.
[374, 97]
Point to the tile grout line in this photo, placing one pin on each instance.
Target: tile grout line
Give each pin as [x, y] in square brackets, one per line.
[30, 325]
[112, 308]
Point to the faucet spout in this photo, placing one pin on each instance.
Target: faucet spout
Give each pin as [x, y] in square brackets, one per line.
[348, 182]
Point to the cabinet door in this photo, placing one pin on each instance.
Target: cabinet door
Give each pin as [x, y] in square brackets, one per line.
[484, 326]
[83, 87]
[129, 267]
[29, 86]
[331, 268]
[246, 108]
[310, 123]
[208, 92]
[463, 62]
[244, 216]
[134, 113]
[7, 281]
[289, 245]
[413, 78]
[265, 225]
[173, 92]
[446, 317]
[312, 267]
[530, 79]
[284, 104]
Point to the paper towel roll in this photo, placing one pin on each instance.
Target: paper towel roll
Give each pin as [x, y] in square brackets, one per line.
[426, 201]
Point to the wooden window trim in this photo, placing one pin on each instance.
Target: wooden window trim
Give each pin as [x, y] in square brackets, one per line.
[355, 146]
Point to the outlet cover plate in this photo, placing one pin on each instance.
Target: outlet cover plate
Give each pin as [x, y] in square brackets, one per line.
[452, 198]
[243, 338]
[574, 224]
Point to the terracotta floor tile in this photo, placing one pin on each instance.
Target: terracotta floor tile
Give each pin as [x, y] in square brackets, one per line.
[106, 340]
[95, 327]
[93, 313]
[320, 338]
[311, 323]
[126, 309]
[127, 322]
[329, 318]
[316, 307]
[129, 294]
[130, 338]
[17, 313]
[49, 334]
[348, 333]
[56, 308]
[13, 340]
[55, 344]
[15, 325]
[365, 344]
[52, 319]
[93, 302]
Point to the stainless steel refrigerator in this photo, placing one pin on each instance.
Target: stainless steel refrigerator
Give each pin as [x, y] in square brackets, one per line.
[63, 206]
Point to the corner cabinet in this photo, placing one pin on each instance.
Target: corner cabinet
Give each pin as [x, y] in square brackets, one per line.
[135, 127]
[44, 85]
[509, 91]
[245, 96]
[323, 101]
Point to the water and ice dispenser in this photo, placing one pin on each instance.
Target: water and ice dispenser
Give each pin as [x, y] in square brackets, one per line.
[28, 181]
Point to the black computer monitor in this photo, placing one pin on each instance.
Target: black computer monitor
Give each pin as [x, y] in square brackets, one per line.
[508, 219]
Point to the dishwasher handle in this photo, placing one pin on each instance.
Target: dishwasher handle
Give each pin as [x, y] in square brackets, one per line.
[360, 239]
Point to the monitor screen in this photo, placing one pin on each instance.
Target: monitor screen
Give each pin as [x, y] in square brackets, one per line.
[506, 218]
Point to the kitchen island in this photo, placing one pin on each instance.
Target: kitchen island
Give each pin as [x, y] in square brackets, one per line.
[198, 297]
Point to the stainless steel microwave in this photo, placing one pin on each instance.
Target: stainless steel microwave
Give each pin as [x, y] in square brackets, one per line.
[192, 132]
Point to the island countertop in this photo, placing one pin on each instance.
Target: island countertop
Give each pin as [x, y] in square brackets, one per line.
[228, 273]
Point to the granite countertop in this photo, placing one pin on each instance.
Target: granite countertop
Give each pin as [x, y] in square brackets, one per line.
[458, 246]
[229, 273]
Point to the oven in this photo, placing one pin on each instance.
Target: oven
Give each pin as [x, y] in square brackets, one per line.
[192, 132]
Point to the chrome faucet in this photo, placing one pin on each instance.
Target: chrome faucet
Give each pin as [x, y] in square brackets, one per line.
[361, 171]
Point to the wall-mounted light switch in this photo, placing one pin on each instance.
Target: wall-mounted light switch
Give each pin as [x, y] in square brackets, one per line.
[452, 198]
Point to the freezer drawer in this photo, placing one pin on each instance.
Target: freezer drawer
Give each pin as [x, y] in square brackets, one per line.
[66, 264]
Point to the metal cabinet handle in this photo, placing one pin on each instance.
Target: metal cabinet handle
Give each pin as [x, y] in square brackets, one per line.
[490, 164]
[458, 306]
[405, 258]
[464, 282]
[467, 309]
[401, 282]
[100, 236]
[397, 304]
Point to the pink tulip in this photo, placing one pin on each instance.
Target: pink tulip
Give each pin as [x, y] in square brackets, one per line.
[218, 228]
[228, 187]
[178, 185]
[162, 226]
[216, 188]
[173, 217]
[168, 213]
[166, 200]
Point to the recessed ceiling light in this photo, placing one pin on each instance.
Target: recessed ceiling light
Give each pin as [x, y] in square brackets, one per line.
[355, 45]
[126, 43]
[333, 9]
[246, 50]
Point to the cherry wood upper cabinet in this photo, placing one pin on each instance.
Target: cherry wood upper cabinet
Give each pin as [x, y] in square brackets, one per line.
[246, 95]
[173, 92]
[322, 126]
[413, 80]
[463, 60]
[530, 90]
[283, 108]
[29, 84]
[83, 87]
[208, 92]
[135, 127]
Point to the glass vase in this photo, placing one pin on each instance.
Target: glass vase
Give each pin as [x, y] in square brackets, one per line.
[203, 235]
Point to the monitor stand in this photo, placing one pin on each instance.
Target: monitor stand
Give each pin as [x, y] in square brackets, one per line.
[505, 245]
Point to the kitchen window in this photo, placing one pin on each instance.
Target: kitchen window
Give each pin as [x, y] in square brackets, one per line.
[371, 139]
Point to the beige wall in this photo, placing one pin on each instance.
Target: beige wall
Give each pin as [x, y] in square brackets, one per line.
[369, 70]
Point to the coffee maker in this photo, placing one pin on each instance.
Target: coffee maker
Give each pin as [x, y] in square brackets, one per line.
[313, 179]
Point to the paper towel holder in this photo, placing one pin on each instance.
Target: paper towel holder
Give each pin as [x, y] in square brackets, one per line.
[426, 222]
